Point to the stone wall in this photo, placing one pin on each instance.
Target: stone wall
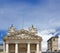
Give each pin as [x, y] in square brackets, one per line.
[50, 52]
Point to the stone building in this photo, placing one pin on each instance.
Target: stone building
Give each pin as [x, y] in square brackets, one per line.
[1, 48]
[22, 41]
[53, 44]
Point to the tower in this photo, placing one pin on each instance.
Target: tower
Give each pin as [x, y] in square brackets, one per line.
[53, 44]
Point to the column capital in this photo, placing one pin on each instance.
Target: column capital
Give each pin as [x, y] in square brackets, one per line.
[16, 43]
[28, 43]
[37, 43]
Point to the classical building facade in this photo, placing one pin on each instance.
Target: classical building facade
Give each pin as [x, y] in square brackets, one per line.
[22, 41]
[53, 44]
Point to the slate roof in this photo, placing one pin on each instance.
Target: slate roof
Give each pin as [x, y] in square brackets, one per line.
[52, 37]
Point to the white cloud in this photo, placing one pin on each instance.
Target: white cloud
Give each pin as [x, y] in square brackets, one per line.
[45, 34]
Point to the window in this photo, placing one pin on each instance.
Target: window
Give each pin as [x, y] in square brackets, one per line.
[54, 39]
[32, 52]
[22, 52]
[55, 50]
[12, 52]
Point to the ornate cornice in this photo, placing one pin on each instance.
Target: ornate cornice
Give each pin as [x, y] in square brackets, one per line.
[22, 34]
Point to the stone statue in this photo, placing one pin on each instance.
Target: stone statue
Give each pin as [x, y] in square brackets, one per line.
[11, 30]
[33, 30]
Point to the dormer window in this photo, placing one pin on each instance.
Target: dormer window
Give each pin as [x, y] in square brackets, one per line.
[54, 39]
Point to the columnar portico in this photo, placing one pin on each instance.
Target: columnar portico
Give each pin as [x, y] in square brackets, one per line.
[28, 48]
[22, 41]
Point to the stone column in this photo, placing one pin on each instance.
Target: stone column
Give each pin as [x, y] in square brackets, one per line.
[7, 48]
[4, 47]
[37, 48]
[16, 48]
[28, 48]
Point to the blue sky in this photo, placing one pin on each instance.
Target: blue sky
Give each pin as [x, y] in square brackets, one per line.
[43, 14]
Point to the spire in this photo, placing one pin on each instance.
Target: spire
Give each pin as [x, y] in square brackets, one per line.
[12, 25]
[32, 26]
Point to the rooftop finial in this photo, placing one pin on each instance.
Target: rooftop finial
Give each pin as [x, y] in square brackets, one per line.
[32, 29]
[32, 26]
[12, 28]
[11, 25]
